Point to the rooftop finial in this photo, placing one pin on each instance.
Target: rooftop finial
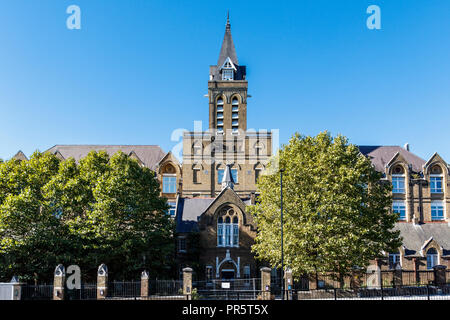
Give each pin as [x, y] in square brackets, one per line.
[228, 20]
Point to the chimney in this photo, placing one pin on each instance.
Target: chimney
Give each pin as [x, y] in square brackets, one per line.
[406, 147]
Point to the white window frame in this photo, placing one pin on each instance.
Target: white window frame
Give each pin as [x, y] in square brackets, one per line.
[170, 176]
[434, 259]
[435, 204]
[399, 203]
[395, 258]
[397, 176]
[173, 207]
[232, 236]
[227, 74]
[434, 189]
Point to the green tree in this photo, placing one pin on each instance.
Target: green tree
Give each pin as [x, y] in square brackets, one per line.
[102, 210]
[336, 209]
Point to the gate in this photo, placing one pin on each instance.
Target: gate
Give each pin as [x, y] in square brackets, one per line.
[87, 291]
[229, 289]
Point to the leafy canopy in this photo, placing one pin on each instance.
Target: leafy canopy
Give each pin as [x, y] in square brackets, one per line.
[336, 209]
[102, 210]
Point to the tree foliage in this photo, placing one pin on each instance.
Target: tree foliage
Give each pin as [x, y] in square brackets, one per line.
[336, 210]
[102, 210]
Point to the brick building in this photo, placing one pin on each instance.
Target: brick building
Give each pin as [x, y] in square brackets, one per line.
[210, 190]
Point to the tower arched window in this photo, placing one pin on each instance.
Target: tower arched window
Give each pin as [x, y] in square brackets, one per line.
[219, 115]
[235, 114]
[432, 258]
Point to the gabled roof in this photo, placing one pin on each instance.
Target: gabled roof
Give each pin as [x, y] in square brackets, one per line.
[20, 156]
[149, 155]
[188, 212]
[382, 155]
[416, 237]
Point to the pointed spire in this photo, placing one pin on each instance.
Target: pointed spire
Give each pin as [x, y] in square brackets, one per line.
[228, 50]
[227, 180]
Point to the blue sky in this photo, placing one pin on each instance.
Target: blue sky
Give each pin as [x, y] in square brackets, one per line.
[137, 70]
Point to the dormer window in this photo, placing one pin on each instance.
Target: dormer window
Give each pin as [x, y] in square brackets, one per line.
[227, 74]
[228, 70]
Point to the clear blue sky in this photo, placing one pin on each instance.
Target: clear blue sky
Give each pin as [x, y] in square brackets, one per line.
[137, 70]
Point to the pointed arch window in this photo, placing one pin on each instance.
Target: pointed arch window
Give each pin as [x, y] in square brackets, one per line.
[432, 258]
[220, 232]
[436, 179]
[398, 180]
[228, 229]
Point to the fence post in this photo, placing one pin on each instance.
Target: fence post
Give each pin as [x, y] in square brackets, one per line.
[288, 283]
[398, 273]
[265, 283]
[16, 288]
[428, 291]
[102, 282]
[187, 283]
[58, 282]
[439, 275]
[144, 284]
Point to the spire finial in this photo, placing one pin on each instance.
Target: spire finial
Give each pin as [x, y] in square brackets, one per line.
[228, 20]
[227, 180]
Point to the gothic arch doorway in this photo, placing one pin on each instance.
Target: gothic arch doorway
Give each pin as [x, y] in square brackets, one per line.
[227, 271]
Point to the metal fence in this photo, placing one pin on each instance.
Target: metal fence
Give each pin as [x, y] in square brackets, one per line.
[124, 289]
[37, 292]
[427, 292]
[230, 289]
[165, 287]
[87, 291]
[384, 278]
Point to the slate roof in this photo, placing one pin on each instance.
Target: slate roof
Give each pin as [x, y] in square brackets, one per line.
[150, 155]
[188, 212]
[415, 236]
[381, 155]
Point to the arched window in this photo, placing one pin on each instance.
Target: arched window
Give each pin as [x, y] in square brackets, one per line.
[169, 179]
[228, 229]
[432, 258]
[235, 231]
[235, 114]
[398, 180]
[219, 115]
[436, 178]
[220, 232]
